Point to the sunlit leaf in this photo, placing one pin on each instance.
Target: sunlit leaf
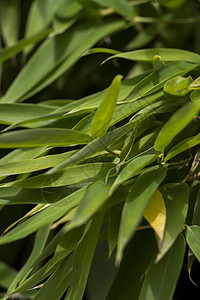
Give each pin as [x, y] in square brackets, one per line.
[155, 214]
[176, 123]
[103, 116]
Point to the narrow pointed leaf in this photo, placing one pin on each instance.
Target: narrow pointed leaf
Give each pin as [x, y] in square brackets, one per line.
[139, 255]
[183, 146]
[176, 123]
[39, 243]
[176, 200]
[43, 137]
[79, 174]
[133, 167]
[166, 54]
[113, 226]
[161, 278]
[193, 239]
[103, 116]
[43, 218]
[57, 283]
[83, 258]
[95, 196]
[136, 203]
[158, 78]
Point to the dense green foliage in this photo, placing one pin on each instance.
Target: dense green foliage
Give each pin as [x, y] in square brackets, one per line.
[99, 195]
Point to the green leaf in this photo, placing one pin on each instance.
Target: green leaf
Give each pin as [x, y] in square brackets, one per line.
[176, 201]
[9, 20]
[157, 79]
[195, 218]
[94, 197]
[67, 243]
[113, 226]
[193, 239]
[122, 7]
[176, 123]
[133, 167]
[178, 86]
[7, 53]
[139, 254]
[161, 278]
[43, 137]
[40, 15]
[183, 146]
[167, 55]
[173, 4]
[128, 145]
[83, 258]
[103, 116]
[93, 147]
[44, 218]
[66, 16]
[63, 51]
[31, 165]
[145, 36]
[57, 283]
[15, 113]
[75, 175]
[135, 204]
[39, 243]
[23, 153]
[7, 275]
[17, 195]
[195, 95]
[195, 85]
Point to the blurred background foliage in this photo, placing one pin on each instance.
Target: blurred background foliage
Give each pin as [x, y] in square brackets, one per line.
[139, 24]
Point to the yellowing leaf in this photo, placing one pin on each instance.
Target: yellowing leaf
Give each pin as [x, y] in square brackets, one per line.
[155, 214]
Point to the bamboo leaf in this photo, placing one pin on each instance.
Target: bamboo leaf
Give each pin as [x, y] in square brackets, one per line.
[113, 226]
[7, 275]
[135, 204]
[57, 284]
[94, 197]
[133, 167]
[83, 258]
[103, 116]
[176, 123]
[193, 239]
[178, 85]
[139, 255]
[176, 200]
[15, 113]
[39, 243]
[43, 137]
[9, 20]
[166, 54]
[122, 7]
[75, 175]
[183, 146]
[7, 53]
[161, 278]
[155, 214]
[44, 218]
[63, 51]
[158, 78]
[31, 165]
